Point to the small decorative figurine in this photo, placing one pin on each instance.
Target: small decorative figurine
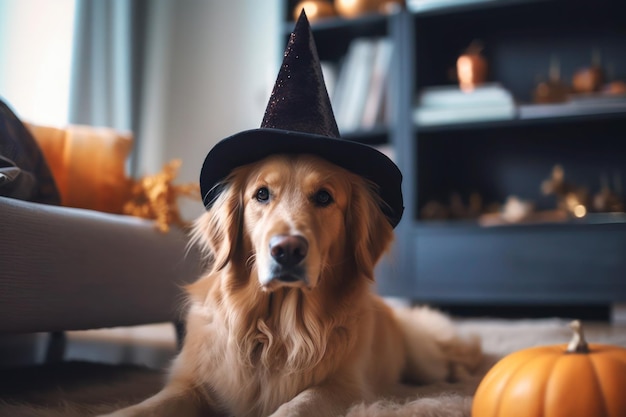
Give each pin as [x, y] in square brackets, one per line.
[471, 67]
[608, 200]
[570, 198]
[553, 90]
[516, 210]
[616, 88]
[591, 79]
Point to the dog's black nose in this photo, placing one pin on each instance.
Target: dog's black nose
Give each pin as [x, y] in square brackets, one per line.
[288, 250]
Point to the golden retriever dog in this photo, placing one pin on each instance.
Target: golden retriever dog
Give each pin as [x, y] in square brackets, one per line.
[285, 321]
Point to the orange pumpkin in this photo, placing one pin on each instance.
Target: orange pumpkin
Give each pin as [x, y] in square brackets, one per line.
[575, 380]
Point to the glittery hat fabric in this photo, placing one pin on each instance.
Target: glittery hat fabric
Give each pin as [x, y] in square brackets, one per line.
[299, 120]
[299, 101]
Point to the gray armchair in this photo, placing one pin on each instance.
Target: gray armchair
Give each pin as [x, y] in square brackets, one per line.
[70, 269]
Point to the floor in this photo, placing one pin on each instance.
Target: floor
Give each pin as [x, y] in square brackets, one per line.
[152, 345]
[65, 389]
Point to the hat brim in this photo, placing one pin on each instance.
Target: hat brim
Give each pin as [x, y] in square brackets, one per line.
[253, 145]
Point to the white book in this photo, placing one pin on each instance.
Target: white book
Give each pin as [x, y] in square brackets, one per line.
[432, 117]
[338, 98]
[491, 94]
[329, 72]
[425, 5]
[374, 104]
[337, 95]
[357, 85]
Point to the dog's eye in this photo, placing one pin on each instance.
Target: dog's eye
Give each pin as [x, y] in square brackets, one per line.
[263, 195]
[323, 198]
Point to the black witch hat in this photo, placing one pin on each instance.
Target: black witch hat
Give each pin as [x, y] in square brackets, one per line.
[299, 120]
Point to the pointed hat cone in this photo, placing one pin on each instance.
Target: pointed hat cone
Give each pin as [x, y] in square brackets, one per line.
[299, 101]
[299, 120]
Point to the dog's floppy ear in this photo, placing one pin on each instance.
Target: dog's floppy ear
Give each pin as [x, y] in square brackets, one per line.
[217, 232]
[367, 228]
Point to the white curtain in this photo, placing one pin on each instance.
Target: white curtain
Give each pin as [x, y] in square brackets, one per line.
[181, 74]
[106, 32]
[109, 64]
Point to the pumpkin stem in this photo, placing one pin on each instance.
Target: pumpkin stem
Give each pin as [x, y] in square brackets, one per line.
[578, 344]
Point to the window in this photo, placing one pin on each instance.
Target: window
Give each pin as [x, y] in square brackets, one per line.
[35, 52]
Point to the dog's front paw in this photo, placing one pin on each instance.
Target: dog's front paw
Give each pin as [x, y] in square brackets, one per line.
[464, 356]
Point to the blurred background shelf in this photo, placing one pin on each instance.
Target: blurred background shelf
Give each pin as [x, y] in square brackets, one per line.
[458, 262]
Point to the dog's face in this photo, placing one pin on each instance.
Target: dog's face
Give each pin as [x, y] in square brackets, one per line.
[292, 219]
[294, 215]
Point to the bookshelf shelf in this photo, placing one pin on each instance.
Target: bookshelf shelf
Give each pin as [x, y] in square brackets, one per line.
[378, 135]
[575, 112]
[534, 115]
[599, 221]
[460, 261]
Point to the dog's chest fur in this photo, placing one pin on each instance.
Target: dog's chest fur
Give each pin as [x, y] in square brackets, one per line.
[266, 353]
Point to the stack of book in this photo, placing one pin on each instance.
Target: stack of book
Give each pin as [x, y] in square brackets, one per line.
[358, 88]
[449, 104]
[426, 5]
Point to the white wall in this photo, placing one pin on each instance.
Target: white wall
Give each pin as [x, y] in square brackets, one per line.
[211, 78]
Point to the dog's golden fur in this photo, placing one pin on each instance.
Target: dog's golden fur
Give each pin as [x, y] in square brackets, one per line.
[313, 344]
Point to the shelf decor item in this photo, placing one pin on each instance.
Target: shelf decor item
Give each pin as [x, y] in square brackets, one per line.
[553, 90]
[315, 10]
[609, 200]
[350, 9]
[617, 88]
[571, 198]
[449, 104]
[590, 79]
[574, 380]
[471, 67]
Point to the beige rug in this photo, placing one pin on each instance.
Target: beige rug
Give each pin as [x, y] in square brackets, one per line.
[85, 389]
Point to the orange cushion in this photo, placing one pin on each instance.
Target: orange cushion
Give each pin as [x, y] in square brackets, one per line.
[88, 165]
